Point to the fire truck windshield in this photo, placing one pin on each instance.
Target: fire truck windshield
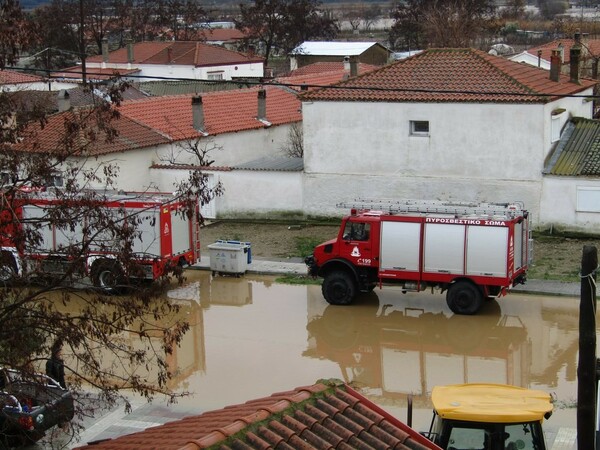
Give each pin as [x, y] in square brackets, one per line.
[357, 231]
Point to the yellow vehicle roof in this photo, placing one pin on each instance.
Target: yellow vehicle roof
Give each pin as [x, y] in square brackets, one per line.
[490, 403]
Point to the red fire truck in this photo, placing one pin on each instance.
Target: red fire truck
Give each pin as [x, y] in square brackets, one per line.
[470, 250]
[163, 237]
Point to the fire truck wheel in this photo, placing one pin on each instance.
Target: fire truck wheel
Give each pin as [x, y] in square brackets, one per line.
[464, 297]
[107, 275]
[8, 268]
[338, 288]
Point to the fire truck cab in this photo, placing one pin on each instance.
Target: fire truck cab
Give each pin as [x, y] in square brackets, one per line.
[472, 251]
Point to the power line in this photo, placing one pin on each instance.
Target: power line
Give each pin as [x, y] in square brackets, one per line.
[303, 86]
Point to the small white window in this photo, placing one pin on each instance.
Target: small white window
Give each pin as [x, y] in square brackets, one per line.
[419, 128]
[215, 75]
[588, 199]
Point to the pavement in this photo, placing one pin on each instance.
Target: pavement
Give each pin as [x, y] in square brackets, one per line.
[296, 266]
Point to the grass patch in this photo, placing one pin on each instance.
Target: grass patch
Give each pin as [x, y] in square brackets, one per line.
[298, 280]
[304, 245]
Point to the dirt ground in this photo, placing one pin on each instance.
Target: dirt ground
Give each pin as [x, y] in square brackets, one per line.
[555, 258]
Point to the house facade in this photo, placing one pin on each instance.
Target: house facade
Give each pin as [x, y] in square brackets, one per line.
[540, 56]
[157, 138]
[174, 59]
[447, 124]
[12, 81]
[328, 51]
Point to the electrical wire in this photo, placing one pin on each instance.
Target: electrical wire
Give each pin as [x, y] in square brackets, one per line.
[273, 82]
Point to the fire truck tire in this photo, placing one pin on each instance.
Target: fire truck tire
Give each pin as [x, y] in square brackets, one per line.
[463, 297]
[107, 275]
[8, 268]
[338, 288]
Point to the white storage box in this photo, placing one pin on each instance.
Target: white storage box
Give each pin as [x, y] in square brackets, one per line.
[230, 257]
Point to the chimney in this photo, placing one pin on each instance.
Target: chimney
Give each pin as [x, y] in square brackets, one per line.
[198, 114]
[539, 58]
[574, 63]
[262, 105]
[555, 63]
[64, 104]
[353, 66]
[104, 52]
[129, 50]
[347, 63]
[561, 52]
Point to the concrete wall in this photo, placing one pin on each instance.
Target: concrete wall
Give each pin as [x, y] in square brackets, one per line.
[234, 148]
[134, 165]
[559, 205]
[181, 71]
[50, 85]
[474, 152]
[249, 193]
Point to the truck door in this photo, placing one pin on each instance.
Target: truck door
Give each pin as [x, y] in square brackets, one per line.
[356, 245]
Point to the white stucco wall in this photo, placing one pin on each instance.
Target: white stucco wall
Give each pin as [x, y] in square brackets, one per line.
[558, 205]
[474, 152]
[465, 140]
[248, 193]
[231, 148]
[50, 85]
[147, 71]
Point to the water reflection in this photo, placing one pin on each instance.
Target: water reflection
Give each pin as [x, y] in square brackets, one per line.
[399, 351]
[251, 337]
[392, 345]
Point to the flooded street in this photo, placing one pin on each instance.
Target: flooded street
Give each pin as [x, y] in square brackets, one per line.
[251, 337]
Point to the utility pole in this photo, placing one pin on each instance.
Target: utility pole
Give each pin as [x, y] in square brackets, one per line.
[82, 54]
[586, 368]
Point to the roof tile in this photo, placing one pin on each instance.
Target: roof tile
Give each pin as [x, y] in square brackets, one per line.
[14, 77]
[328, 66]
[578, 151]
[224, 111]
[55, 135]
[189, 53]
[452, 75]
[297, 423]
[94, 73]
[591, 46]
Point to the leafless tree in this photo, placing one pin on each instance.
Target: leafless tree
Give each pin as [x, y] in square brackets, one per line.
[284, 24]
[294, 146]
[137, 332]
[440, 23]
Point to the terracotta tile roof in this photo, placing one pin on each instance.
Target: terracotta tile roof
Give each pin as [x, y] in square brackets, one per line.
[326, 415]
[190, 53]
[94, 73]
[224, 111]
[14, 77]
[319, 67]
[317, 79]
[130, 135]
[591, 45]
[452, 75]
[578, 151]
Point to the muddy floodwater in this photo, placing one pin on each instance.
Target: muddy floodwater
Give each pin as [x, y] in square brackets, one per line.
[251, 337]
